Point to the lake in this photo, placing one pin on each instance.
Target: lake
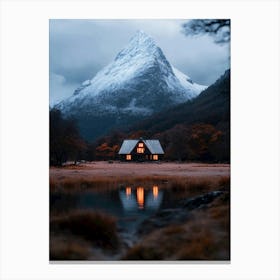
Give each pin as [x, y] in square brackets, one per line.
[130, 205]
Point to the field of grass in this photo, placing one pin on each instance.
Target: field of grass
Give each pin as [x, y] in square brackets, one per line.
[78, 234]
[191, 185]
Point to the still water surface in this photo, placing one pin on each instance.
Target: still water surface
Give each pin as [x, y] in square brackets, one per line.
[130, 205]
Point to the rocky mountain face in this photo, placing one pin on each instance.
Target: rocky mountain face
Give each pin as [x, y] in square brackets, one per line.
[138, 83]
[212, 106]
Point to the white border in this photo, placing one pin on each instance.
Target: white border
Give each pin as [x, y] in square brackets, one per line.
[255, 138]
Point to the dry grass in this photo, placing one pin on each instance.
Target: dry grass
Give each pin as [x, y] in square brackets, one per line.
[201, 246]
[67, 248]
[144, 253]
[95, 227]
[190, 185]
[203, 237]
[78, 184]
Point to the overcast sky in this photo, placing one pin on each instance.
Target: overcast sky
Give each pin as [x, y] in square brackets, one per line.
[80, 48]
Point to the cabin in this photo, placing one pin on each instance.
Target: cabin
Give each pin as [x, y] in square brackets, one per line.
[141, 150]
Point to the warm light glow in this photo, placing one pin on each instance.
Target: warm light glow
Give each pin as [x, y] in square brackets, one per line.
[128, 157]
[155, 157]
[140, 145]
[140, 197]
[128, 192]
[155, 192]
[140, 150]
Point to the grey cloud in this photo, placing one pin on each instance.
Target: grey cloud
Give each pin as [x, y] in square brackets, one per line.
[59, 88]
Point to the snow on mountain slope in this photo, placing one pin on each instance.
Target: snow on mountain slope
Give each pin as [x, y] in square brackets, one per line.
[139, 82]
[138, 71]
[185, 81]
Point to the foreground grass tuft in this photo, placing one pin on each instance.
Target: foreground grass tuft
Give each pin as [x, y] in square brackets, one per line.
[65, 248]
[96, 227]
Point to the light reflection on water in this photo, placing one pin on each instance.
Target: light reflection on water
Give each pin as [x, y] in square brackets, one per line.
[141, 198]
[122, 202]
[128, 192]
[155, 192]
[131, 204]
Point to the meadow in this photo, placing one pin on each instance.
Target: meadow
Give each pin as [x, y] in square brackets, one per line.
[191, 221]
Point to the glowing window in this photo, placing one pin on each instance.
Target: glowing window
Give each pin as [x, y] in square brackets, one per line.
[155, 157]
[140, 145]
[128, 157]
[140, 150]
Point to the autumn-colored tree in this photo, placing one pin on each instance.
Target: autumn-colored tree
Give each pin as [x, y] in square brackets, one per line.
[105, 152]
[175, 141]
[115, 138]
[197, 142]
[202, 138]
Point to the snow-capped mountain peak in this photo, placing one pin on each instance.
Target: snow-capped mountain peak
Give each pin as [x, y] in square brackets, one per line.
[140, 43]
[138, 82]
[141, 56]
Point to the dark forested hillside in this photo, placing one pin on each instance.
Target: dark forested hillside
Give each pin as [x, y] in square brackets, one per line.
[195, 130]
[212, 106]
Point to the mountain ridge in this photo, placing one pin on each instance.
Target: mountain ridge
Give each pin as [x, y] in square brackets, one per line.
[211, 106]
[139, 82]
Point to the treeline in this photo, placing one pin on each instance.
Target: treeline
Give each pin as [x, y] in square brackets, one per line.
[197, 142]
[198, 130]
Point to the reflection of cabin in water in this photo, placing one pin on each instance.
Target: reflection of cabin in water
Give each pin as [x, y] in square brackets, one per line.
[141, 198]
[141, 150]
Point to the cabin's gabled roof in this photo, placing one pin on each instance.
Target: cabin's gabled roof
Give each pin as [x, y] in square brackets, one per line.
[127, 146]
[153, 146]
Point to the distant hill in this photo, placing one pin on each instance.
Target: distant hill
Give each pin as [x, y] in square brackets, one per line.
[212, 106]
